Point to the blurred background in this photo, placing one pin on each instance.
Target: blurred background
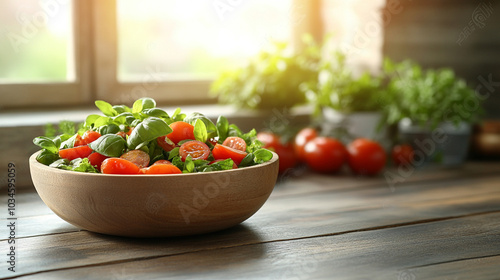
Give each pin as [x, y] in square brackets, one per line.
[61, 55]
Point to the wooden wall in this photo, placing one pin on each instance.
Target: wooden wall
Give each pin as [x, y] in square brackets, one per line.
[461, 34]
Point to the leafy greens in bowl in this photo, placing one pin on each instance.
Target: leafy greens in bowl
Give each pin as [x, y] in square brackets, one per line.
[145, 139]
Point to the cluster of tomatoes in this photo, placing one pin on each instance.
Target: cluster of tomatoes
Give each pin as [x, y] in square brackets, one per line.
[325, 154]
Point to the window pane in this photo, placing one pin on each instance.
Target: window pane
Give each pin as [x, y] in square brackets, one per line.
[195, 39]
[36, 41]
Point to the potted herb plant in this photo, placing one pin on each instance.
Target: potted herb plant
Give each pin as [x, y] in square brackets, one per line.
[433, 109]
[355, 104]
[271, 79]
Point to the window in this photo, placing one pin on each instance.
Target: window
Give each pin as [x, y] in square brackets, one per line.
[70, 52]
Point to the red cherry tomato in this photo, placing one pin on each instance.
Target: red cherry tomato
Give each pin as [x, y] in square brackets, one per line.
[225, 152]
[269, 139]
[236, 143]
[161, 169]
[181, 131]
[366, 157]
[305, 135]
[325, 154]
[217, 160]
[96, 159]
[78, 141]
[118, 166]
[130, 131]
[137, 157]
[90, 136]
[76, 152]
[162, 142]
[122, 134]
[287, 158]
[402, 154]
[195, 149]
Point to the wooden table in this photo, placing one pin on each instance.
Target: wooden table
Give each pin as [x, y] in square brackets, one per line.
[432, 224]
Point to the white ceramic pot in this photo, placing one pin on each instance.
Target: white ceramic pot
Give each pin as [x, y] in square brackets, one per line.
[446, 144]
[358, 124]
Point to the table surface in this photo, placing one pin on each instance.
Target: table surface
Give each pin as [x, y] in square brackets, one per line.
[431, 223]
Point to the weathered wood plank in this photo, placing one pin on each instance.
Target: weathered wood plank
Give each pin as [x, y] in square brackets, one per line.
[282, 218]
[389, 253]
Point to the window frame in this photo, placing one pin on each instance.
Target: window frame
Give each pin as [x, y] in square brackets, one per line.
[14, 95]
[96, 64]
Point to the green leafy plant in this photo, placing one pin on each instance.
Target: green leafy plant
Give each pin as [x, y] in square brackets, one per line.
[336, 87]
[271, 79]
[428, 97]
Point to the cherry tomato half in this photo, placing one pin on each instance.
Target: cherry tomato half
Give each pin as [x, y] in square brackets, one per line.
[402, 154]
[162, 142]
[225, 152]
[236, 143]
[76, 152]
[305, 135]
[161, 169]
[90, 136]
[96, 159]
[325, 154]
[118, 166]
[366, 157]
[137, 157]
[181, 131]
[195, 149]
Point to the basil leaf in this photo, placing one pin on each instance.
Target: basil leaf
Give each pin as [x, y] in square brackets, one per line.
[156, 112]
[122, 109]
[46, 143]
[82, 165]
[70, 143]
[105, 108]
[124, 118]
[210, 126]
[149, 129]
[46, 157]
[177, 161]
[142, 104]
[177, 116]
[262, 155]
[188, 165]
[108, 129]
[102, 121]
[222, 128]
[61, 138]
[61, 164]
[248, 160]
[90, 120]
[110, 145]
[67, 127]
[200, 131]
[173, 153]
[226, 164]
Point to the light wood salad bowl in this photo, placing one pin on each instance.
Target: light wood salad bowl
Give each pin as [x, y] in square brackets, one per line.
[155, 205]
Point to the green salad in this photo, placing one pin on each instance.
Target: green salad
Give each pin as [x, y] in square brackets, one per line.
[145, 139]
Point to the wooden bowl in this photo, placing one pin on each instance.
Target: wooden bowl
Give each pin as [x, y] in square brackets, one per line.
[155, 205]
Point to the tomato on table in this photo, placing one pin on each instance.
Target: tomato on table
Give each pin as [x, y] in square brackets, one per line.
[269, 139]
[76, 152]
[161, 169]
[96, 159]
[325, 154]
[195, 149]
[303, 136]
[402, 154]
[287, 158]
[225, 152]
[165, 143]
[235, 143]
[366, 157]
[138, 157]
[118, 166]
[181, 131]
